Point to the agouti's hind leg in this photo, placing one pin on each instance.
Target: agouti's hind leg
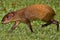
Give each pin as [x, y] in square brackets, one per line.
[14, 26]
[48, 23]
[56, 23]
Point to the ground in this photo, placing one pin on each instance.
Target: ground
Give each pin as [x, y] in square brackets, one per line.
[22, 32]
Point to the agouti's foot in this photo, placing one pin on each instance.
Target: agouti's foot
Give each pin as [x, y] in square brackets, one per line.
[10, 31]
[44, 25]
[32, 31]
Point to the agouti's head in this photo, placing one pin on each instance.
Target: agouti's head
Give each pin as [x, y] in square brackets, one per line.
[7, 18]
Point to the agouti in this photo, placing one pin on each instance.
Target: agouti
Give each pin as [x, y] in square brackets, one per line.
[33, 12]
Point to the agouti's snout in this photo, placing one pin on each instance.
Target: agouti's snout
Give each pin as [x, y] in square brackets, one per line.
[2, 22]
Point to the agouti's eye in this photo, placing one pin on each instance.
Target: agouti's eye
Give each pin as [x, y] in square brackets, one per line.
[8, 17]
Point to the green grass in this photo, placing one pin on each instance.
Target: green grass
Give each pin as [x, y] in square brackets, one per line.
[22, 32]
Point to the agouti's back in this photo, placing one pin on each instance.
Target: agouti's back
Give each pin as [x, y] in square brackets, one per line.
[42, 12]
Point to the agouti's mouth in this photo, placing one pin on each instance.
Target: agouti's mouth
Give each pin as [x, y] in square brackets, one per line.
[3, 22]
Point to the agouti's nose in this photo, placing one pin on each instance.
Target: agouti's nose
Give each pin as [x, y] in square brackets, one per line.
[2, 21]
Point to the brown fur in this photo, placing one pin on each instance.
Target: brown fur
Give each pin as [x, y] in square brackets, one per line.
[41, 12]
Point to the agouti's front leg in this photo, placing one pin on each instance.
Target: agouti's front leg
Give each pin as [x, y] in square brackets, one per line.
[29, 24]
[14, 26]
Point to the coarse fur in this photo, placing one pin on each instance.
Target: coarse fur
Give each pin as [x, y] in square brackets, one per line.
[33, 12]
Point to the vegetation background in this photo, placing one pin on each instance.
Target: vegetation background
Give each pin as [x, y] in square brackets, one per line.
[22, 32]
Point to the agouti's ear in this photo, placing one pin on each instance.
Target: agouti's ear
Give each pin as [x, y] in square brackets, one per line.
[12, 13]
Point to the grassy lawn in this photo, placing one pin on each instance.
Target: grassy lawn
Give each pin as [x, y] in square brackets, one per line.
[22, 32]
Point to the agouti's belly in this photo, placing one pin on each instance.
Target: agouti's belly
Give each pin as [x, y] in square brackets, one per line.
[37, 16]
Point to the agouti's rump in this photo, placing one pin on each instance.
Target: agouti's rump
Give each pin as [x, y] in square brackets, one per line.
[41, 12]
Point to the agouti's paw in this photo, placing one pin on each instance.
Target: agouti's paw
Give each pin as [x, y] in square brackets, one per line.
[10, 31]
[43, 25]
